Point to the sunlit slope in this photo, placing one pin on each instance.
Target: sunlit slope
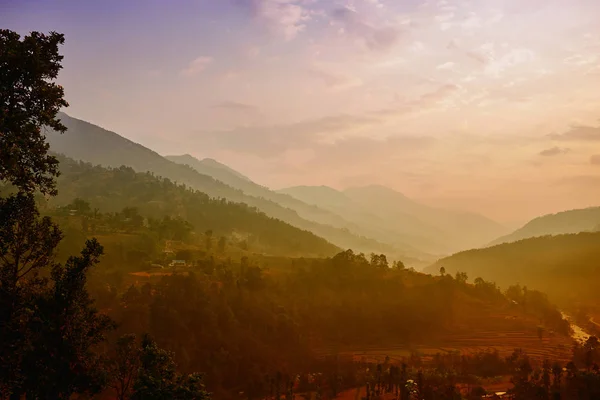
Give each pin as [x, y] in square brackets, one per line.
[572, 221]
[564, 266]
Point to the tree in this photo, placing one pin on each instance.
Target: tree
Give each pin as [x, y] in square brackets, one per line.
[29, 101]
[49, 327]
[442, 271]
[379, 261]
[157, 378]
[399, 265]
[65, 330]
[124, 366]
[461, 277]
[27, 246]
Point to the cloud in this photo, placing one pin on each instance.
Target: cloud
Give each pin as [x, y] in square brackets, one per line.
[235, 106]
[554, 151]
[579, 133]
[286, 18]
[422, 102]
[359, 152]
[595, 159]
[335, 80]
[197, 66]
[513, 58]
[446, 66]
[271, 140]
[373, 36]
[586, 181]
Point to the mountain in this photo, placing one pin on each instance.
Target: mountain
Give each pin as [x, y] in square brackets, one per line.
[564, 266]
[238, 181]
[213, 168]
[381, 209]
[572, 221]
[90, 143]
[311, 211]
[112, 190]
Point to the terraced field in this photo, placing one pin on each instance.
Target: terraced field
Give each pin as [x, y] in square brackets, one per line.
[506, 335]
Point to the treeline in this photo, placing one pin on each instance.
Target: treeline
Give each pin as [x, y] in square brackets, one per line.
[564, 266]
[113, 190]
[239, 323]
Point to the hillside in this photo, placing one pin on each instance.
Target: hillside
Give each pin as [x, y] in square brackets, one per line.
[238, 181]
[385, 212]
[367, 226]
[111, 190]
[90, 143]
[564, 266]
[572, 221]
[290, 316]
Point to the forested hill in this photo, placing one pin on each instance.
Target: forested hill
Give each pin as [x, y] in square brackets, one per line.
[572, 221]
[238, 181]
[90, 143]
[111, 190]
[564, 266]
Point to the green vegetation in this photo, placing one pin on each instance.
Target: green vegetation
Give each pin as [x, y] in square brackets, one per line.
[92, 144]
[238, 322]
[564, 266]
[50, 331]
[194, 283]
[113, 190]
[572, 221]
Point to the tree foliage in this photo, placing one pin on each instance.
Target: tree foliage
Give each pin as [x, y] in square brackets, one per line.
[29, 101]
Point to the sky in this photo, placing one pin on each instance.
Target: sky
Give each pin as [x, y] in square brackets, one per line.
[487, 105]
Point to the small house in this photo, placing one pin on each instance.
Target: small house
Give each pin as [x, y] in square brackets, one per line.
[178, 263]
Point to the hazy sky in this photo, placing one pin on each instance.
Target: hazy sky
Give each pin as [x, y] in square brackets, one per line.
[492, 105]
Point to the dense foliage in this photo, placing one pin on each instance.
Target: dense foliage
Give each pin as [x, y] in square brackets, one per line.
[112, 190]
[240, 323]
[50, 331]
[564, 266]
[29, 100]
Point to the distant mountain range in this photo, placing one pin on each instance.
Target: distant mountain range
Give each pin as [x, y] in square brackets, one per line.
[572, 221]
[366, 219]
[386, 213]
[90, 143]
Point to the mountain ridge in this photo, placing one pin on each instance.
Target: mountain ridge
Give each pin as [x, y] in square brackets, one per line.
[563, 222]
[96, 145]
[428, 227]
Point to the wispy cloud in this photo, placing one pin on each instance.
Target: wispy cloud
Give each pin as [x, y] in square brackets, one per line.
[554, 151]
[197, 66]
[235, 106]
[270, 140]
[375, 37]
[579, 133]
[335, 80]
[285, 18]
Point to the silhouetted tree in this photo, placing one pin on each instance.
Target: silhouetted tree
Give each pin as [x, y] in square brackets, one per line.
[158, 379]
[29, 100]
